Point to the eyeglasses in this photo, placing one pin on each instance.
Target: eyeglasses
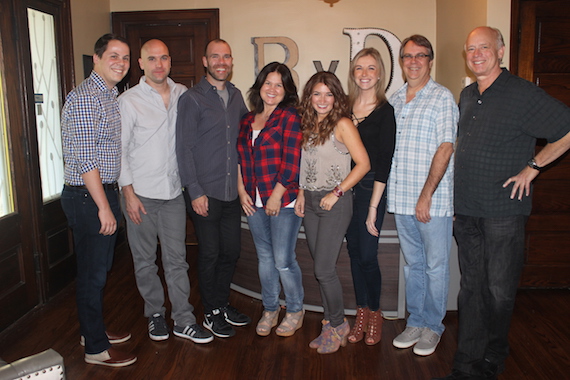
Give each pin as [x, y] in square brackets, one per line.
[409, 57]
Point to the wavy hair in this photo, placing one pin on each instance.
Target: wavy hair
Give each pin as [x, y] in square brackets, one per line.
[310, 126]
[379, 87]
[291, 99]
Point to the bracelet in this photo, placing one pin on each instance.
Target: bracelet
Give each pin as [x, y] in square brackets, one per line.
[373, 206]
[338, 191]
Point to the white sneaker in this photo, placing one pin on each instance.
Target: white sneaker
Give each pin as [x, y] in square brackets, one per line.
[427, 343]
[408, 337]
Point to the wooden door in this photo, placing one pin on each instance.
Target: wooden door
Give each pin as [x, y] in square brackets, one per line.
[47, 79]
[540, 53]
[33, 266]
[185, 32]
[18, 290]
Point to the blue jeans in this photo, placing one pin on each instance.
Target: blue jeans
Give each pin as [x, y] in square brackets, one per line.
[363, 247]
[94, 254]
[275, 238]
[426, 248]
[219, 245]
[164, 220]
[491, 257]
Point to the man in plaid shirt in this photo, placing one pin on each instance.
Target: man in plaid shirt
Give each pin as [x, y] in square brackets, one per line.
[420, 193]
[91, 132]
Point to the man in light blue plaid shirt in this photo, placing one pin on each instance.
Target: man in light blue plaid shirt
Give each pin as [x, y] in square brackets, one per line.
[420, 193]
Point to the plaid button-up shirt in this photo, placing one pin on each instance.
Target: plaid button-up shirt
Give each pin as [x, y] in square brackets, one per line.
[422, 125]
[91, 131]
[275, 156]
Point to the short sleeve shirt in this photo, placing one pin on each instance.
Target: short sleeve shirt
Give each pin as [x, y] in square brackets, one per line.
[496, 138]
[422, 125]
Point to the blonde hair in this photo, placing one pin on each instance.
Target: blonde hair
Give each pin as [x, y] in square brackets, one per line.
[379, 88]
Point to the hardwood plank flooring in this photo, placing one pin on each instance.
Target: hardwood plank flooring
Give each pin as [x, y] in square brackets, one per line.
[540, 339]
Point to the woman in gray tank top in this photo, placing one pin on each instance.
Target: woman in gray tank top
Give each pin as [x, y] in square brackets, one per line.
[330, 141]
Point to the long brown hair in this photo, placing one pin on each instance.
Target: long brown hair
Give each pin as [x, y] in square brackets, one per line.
[379, 88]
[319, 132]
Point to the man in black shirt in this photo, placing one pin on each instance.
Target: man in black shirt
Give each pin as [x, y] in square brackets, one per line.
[206, 136]
[501, 116]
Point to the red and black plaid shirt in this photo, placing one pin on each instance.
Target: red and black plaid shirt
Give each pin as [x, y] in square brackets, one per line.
[275, 157]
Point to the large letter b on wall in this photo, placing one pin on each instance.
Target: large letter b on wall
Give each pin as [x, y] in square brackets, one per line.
[291, 53]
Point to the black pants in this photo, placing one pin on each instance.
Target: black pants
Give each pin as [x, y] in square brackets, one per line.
[491, 256]
[219, 246]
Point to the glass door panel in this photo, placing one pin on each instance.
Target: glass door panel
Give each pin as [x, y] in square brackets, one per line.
[6, 192]
[47, 101]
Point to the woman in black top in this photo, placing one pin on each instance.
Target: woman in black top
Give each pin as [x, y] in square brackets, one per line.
[374, 117]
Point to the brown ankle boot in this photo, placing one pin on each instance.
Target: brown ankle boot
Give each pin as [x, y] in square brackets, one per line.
[360, 325]
[374, 332]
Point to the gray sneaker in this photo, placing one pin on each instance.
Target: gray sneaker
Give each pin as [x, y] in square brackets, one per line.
[408, 337]
[427, 343]
[157, 327]
[195, 333]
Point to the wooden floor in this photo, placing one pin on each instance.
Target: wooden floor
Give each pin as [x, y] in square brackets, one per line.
[540, 342]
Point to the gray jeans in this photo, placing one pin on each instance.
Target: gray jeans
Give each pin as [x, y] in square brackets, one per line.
[325, 232]
[165, 220]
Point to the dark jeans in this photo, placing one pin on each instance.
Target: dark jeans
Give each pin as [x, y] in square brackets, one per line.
[363, 247]
[491, 255]
[94, 253]
[219, 239]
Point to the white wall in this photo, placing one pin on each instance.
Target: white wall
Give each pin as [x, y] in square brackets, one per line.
[317, 29]
[315, 26]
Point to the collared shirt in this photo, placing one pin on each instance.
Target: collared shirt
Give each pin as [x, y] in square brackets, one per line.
[148, 139]
[422, 125]
[274, 157]
[91, 131]
[496, 138]
[206, 136]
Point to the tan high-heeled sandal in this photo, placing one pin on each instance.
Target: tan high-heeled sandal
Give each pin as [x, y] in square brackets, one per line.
[267, 322]
[291, 323]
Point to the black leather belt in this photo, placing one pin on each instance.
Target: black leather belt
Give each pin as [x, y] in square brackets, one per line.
[106, 186]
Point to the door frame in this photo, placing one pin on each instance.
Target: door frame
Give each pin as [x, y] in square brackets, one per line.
[54, 258]
[538, 273]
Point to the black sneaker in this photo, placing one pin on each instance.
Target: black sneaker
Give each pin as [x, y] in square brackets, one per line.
[216, 323]
[195, 333]
[157, 327]
[234, 317]
[488, 369]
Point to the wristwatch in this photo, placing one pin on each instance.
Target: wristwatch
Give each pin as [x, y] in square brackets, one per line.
[532, 164]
